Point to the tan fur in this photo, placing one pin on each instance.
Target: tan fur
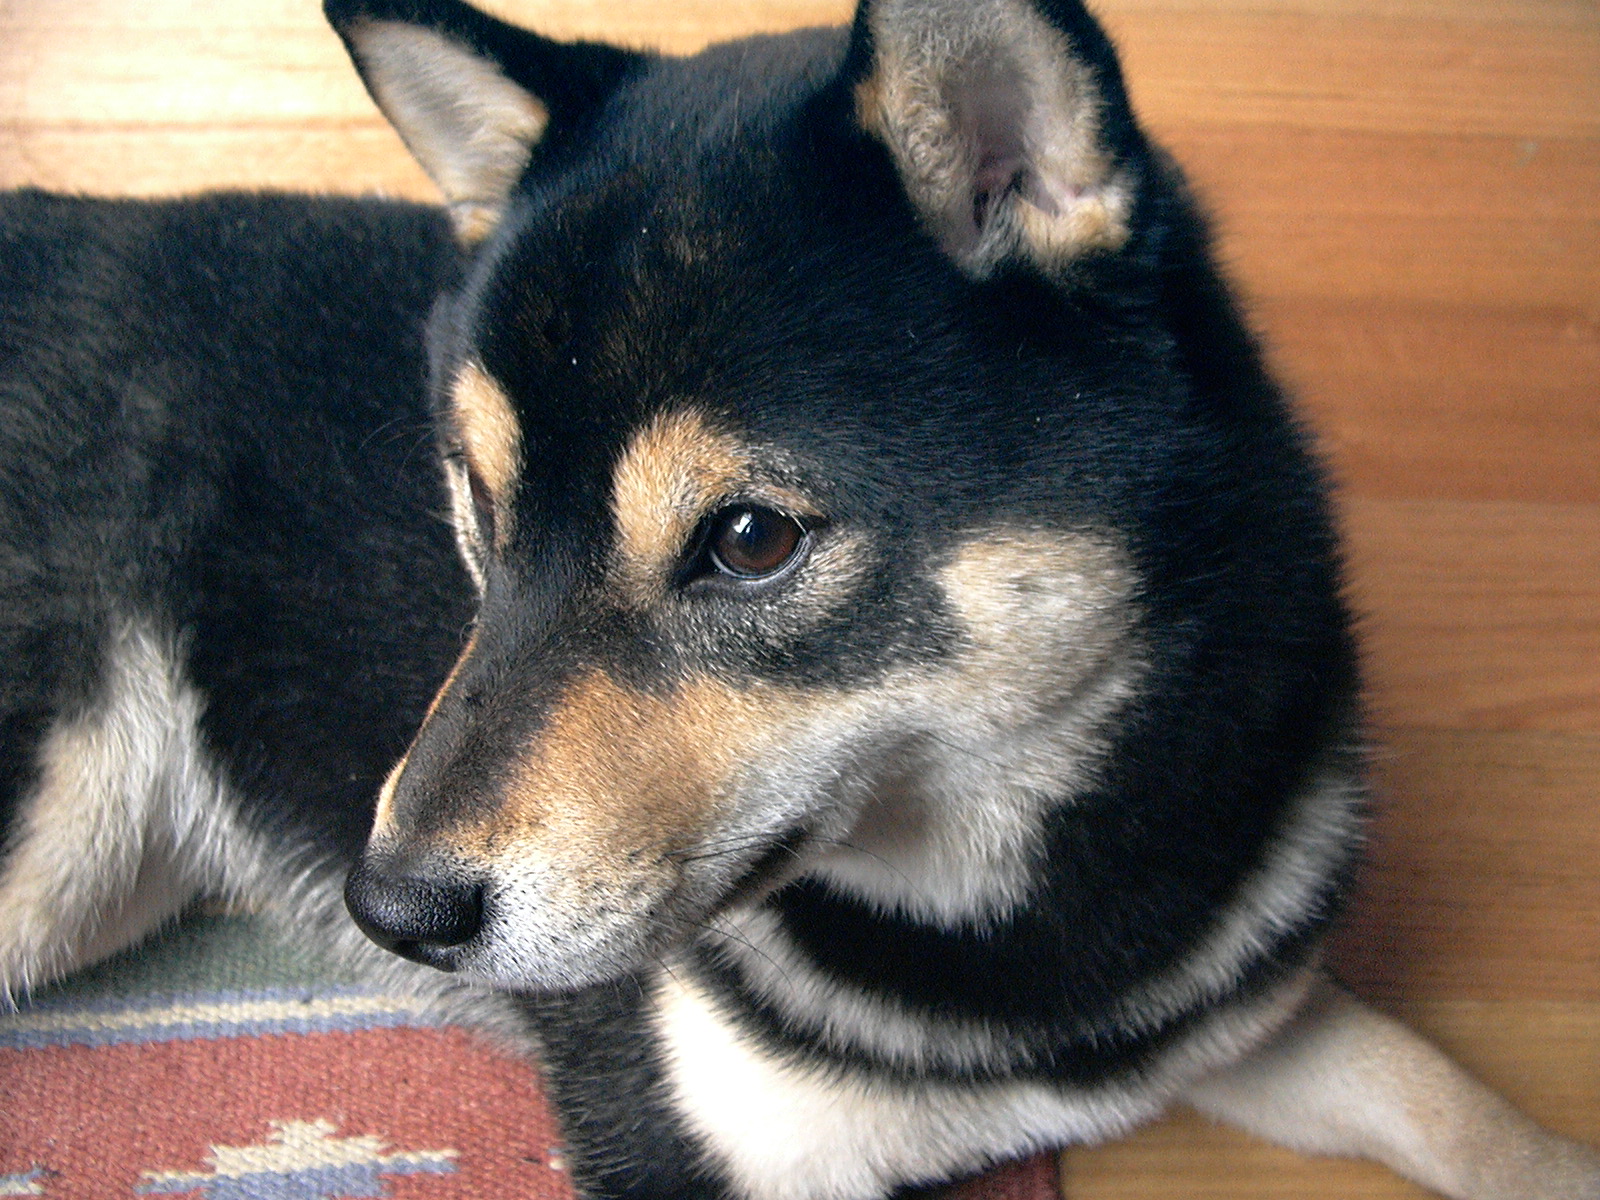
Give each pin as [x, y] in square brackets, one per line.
[1043, 610]
[615, 776]
[605, 836]
[1343, 1079]
[671, 472]
[906, 103]
[1016, 716]
[491, 437]
[383, 812]
[470, 127]
[620, 771]
[675, 471]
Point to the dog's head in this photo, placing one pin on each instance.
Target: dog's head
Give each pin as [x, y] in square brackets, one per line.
[801, 415]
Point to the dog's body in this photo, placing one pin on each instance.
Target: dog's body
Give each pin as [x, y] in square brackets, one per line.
[219, 471]
[909, 717]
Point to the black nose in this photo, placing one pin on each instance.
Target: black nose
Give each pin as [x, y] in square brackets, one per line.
[414, 916]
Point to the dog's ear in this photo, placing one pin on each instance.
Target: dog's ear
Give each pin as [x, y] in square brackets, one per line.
[471, 96]
[1007, 121]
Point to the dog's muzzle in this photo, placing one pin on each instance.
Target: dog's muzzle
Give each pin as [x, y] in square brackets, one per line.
[425, 920]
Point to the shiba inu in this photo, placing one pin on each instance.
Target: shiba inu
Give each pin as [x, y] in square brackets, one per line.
[859, 629]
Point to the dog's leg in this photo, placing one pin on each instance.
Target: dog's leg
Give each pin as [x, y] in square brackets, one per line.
[126, 824]
[1342, 1079]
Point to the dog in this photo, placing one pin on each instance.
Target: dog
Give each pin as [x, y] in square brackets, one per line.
[860, 630]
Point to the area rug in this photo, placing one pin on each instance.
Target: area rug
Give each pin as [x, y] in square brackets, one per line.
[220, 1062]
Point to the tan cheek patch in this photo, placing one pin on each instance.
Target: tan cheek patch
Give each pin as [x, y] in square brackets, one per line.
[619, 778]
[1043, 610]
[489, 434]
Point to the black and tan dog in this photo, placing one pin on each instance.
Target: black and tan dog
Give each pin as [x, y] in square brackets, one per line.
[902, 713]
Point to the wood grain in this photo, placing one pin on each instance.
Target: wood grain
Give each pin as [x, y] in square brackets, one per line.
[1408, 192]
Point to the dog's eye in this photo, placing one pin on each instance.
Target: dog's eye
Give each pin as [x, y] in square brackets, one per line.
[472, 504]
[748, 542]
[482, 505]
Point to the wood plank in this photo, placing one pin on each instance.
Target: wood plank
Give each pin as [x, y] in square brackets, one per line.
[1446, 401]
[1572, 15]
[1479, 615]
[63, 65]
[1186, 1157]
[360, 157]
[1538, 1054]
[1395, 72]
[1481, 881]
[1435, 218]
[1272, 173]
[1378, 69]
[1440, 259]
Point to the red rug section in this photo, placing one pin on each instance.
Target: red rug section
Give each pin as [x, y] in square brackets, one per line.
[97, 1119]
[86, 1123]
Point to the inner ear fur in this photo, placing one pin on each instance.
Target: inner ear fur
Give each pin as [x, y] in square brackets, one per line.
[469, 126]
[471, 96]
[997, 125]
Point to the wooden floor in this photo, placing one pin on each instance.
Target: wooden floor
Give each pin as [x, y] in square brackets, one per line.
[1409, 193]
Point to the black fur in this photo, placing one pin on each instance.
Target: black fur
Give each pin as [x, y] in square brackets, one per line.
[213, 416]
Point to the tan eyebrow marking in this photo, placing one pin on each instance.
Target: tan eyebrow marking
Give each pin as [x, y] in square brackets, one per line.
[670, 474]
[489, 432]
[675, 472]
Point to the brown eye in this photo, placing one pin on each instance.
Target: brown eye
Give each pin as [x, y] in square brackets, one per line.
[751, 543]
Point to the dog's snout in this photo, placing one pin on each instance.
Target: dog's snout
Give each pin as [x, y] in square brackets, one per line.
[420, 918]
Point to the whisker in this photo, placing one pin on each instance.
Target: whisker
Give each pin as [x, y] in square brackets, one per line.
[967, 750]
[733, 935]
[883, 862]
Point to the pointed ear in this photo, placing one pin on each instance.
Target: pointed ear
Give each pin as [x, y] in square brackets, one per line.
[1008, 124]
[471, 96]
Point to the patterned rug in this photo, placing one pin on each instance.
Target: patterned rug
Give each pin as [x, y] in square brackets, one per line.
[219, 1062]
